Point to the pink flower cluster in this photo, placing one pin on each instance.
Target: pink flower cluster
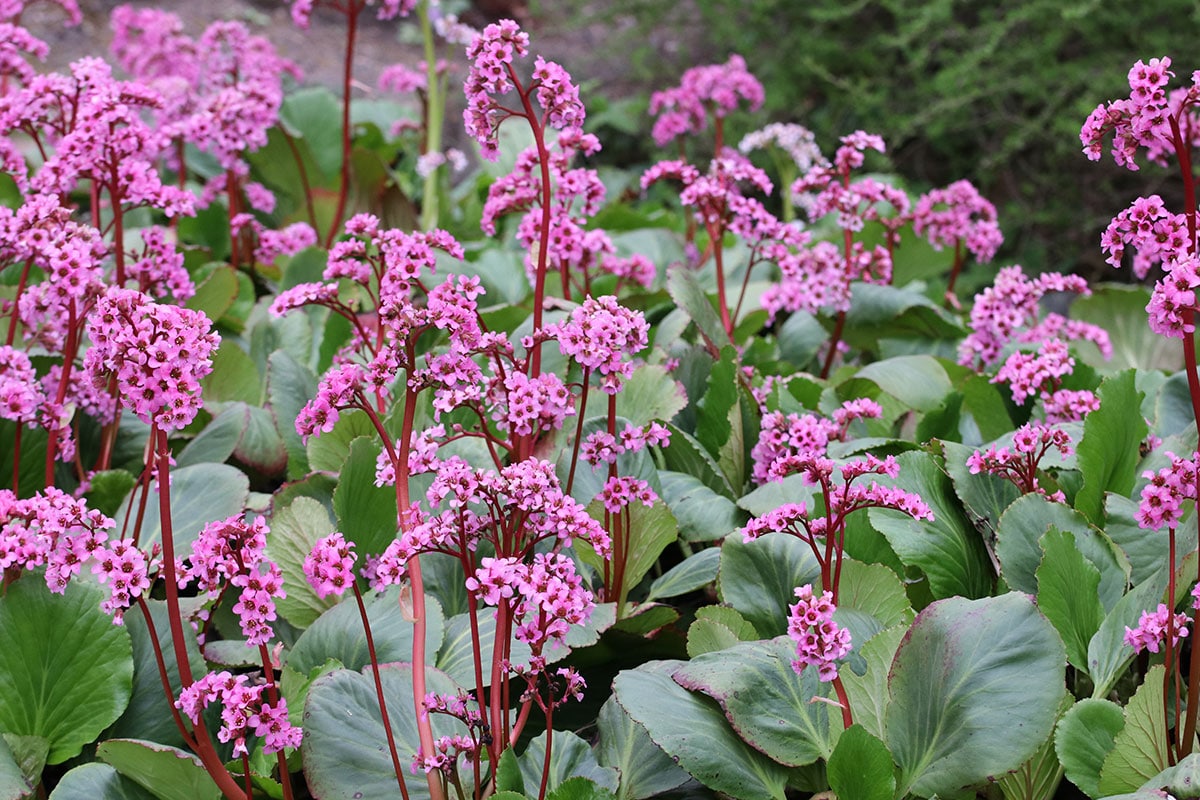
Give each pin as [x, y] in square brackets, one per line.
[602, 335]
[1019, 463]
[1151, 630]
[619, 492]
[1144, 119]
[1168, 489]
[797, 141]
[959, 214]
[243, 712]
[549, 595]
[329, 566]
[857, 202]
[715, 89]
[600, 447]
[787, 435]
[233, 551]
[820, 641]
[1040, 374]
[52, 529]
[491, 75]
[1009, 311]
[157, 353]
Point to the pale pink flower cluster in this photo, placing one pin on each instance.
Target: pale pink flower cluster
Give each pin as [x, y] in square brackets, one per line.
[622, 491]
[1019, 463]
[1009, 311]
[244, 712]
[820, 641]
[797, 141]
[1039, 374]
[715, 89]
[546, 594]
[600, 447]
[958, 214]
[158, 268]
[388, 9]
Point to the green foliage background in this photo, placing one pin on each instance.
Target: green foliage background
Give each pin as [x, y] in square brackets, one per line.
[995, 92]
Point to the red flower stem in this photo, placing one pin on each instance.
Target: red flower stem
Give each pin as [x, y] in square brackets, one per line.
[539, 287]
[1193, 378]
[844, 701]
[549, 746]
[495, 712]
[1169, 654]
[204, 747]
[583, 398]
[285, 777]
[958, 263]
[519, 725]
[188, 739]
[302, 172]
[353, 9]
[716, 233]
[383, 712]
[12, 322]
[69, 350]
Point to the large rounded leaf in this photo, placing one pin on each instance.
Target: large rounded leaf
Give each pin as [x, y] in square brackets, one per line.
[168, 772]
[692, 730]
[778, 712]
[13, 783]
[644, 769]
[200, 494]
[97, 782]
[975, 686]
[759, 579]
[345, 746]
[338, 633]
[65, 670]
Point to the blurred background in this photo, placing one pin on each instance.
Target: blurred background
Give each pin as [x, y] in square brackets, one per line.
[992, 92]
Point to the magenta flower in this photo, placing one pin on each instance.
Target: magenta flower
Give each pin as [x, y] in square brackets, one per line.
[715, 88]
[1019, 464]
[1151, 630]
[602, 335]
[329, 567]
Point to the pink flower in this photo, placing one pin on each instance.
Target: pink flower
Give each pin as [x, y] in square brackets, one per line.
[714, 88]
[820, 641]
[1151, 630]
[329, 567]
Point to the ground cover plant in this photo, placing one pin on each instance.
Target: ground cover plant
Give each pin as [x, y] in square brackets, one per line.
[340, 464]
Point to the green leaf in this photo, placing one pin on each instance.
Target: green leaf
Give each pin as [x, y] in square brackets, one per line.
[1040, 776]
[1084, 738]
[1107, 652]
[694, 572]
[759, 579]
[646, 618]
[692, 730]
[1021, 530]
[366, 513]
[108, 488]
[649, 532]
[1121, 310]
[166, 772]
[800, 337]
[1140, 749]
[314, 115]
[687, 456]
[919, 382]
[983, 401]
[13, 783]
[234, 376]
[344, 750]
[1146, 551]
[570, 757]
[216, 293]
[861, 766]
[650, 394]
[200, 494]
[976, 686]
[289, 386]
[878, 312]
[685, 290]
[984, 495]
[716, 628]
[148, 715]
[874, 589]
[1068, 586]
[508, 773]
[948, 549]
[217, 441]
[260, 447]
[868, 693]
[644, 769]
[773, 494]
[713, 422]
[1108, 452]
[770, 707]
[68, 687]
[329, 451]
[338, 633]
[702, 513]
[295, 529]
[580, 788]
[29, 753]
[97, 781]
